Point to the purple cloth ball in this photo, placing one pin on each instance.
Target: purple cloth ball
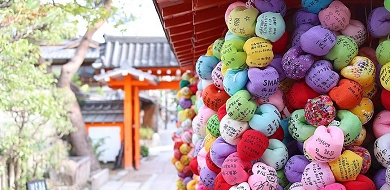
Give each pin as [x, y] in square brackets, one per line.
[378, 22]
[292, 148]
[300, 146]
[321, 77]
[220, 150]
[187, 180]
[302, 16]
[207, 177]
[380, 178]
[295, 167]
[276, 63]
[199, 145]
[318, 41]
[185, 103]
[262, 83]
[295, 63]
[275, 6]
[296, 36]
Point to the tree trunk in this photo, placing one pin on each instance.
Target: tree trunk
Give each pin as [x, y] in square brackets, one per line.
[79, 139]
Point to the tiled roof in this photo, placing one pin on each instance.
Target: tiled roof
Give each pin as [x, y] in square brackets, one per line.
[137, 52]
[106, 111]
[67, 50]
[58, 52]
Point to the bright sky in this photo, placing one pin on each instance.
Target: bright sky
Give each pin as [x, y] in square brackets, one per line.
[147, 22]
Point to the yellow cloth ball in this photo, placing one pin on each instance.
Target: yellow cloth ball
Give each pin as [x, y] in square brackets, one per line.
[361, 138]
[182, 116]
[191, 185]
[185, 148]
[347, 167]
[185, 160]
[179, 166]
[258, 52]
[370, 90]
[208, 141]
[186, 76]
[210, 50]
[385, 76]
[184, 93]
[193, 80]
[242, 21]
[360, 69]
[364, 110]
[190, 113]
[174, 160]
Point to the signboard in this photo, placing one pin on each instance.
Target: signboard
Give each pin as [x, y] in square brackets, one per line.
[37, 185]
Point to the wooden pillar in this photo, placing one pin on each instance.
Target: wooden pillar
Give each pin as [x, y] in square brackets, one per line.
[128, 121]
[137, 125]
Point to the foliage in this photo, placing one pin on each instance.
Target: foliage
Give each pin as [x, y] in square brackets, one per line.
[146, 133]
[34, 112]
[96, 146]
[144, 151]
[37, 110]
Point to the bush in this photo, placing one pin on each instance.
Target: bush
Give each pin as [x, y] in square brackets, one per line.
[144, 151]
[146, 133]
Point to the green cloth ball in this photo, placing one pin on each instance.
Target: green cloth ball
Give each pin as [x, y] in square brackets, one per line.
[179, 108]
[213, 126]
[217, 47]
[298, 127]
[283, 181]
[240, 107]
[387, 5]
[350, 124]
[232, 54]
[383, 52]
[193, 99]
[184, 83]
[342, 53]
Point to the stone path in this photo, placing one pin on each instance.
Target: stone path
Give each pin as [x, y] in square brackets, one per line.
[156, 170]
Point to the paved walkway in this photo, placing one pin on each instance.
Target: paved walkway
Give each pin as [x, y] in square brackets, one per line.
[156, 170]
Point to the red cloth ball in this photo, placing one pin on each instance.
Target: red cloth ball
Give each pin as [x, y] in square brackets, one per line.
[220, 183]
[214, 98]
[347, 94]
[280, 45]
[385, 98]
[221, 112]
[279, 134]
[194, 166]
[298, 95]
[194, 88]
[252, 145]
[361, 182]
[211, 165]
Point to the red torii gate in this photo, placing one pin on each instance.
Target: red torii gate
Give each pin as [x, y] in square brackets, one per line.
[132, 84]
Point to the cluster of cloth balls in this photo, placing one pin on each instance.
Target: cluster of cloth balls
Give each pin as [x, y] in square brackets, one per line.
[300, 118]
[183, 143]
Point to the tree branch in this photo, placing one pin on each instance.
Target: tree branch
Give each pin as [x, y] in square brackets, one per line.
[5, 5]
[70, 68]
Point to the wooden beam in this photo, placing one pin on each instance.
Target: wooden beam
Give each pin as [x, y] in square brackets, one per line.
[178, 21]
[176, 10]
[128, 112]
[164, 85]
[206, 4]
[115, 82]
[180, 30]
[181, 37]
[137, 125]
[212, 14]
